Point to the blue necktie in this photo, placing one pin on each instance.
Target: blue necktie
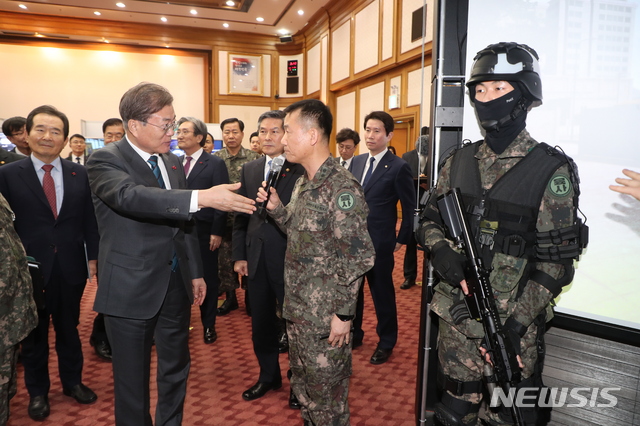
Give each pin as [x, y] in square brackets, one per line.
[153, 160]
[369, 171]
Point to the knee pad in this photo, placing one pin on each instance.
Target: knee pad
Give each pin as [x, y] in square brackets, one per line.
[456, 412]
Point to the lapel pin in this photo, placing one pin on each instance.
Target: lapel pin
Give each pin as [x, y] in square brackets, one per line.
[174, 167]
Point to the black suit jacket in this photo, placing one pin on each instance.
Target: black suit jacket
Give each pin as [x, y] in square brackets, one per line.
[141, 227]
[7, 157]
[411, 158]
[209, 171]
[43, 236]
[253, 233]
[71, 158]
[391, 181]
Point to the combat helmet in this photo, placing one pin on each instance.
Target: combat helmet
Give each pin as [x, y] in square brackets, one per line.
[511, 62]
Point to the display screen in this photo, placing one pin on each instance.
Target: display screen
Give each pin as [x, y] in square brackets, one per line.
[292, 68]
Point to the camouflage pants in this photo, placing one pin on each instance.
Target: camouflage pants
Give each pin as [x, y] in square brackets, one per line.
[320, 375]
[460, 359]
[228, 277]
[8, 380]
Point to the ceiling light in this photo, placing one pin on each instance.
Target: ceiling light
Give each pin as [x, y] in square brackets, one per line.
[22, 6]
[193, 12]
[106, 41]
[283, 31]
[231, 3]
[120, 4]
[301, 12]
[163, 19]
[97, 13]
[259, 19]
[38, 34]
[225, 25]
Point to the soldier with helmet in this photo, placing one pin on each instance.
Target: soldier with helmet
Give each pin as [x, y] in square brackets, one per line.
[521, 200]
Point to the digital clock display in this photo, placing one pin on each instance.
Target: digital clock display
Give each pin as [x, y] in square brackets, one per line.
[292, 68]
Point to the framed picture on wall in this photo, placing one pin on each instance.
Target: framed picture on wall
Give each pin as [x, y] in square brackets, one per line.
[245, 74]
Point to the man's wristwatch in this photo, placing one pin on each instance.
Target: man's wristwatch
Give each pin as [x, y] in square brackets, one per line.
[345, 318]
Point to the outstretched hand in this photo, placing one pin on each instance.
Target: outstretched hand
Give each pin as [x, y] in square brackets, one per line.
[223, 198]
[629, 186]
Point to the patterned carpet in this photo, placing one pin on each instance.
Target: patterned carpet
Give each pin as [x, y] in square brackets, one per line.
[379, 395]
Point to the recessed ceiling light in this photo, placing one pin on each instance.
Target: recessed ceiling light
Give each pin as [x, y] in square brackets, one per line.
[193, 12]
[301, 12]
[22, 6]
[106, 41]
[225, 25]
[283, 31]
[97, 13]
[259, 19]
[231, 3]
[163, 19]
[38, 34]
[120, 4]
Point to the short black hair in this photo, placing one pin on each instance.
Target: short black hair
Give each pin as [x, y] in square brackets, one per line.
[143, 100]
[78, 135]
[346, 134]
[49, 110]
[253, 134]
[111, 122]
[13, 124]
[385, 117]
[314, 113]
[232, 120]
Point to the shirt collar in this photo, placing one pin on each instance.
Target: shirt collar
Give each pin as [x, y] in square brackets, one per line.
[57, 163]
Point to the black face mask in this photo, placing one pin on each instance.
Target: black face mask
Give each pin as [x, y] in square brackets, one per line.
[503, 118]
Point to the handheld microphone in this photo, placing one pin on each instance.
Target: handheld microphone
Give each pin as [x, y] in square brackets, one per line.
[272, 179]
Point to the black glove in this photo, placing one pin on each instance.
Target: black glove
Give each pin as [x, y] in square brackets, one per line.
[514, 331]
[448, 263]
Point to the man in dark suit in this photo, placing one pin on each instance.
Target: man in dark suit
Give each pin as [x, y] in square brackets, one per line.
[55, 221]
[385, 179]
[150, 267]
[417, 160]
[78, 145]
[258, 251]
[203, 171]
[14, 129]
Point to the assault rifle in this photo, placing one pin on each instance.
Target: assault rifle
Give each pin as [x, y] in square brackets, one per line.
[481, 304]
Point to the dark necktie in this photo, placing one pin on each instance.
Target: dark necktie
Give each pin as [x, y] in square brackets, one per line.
[78, 160]
[369, 171]
[50, 189]
[344, 164]
[153, 160]
[187, 165]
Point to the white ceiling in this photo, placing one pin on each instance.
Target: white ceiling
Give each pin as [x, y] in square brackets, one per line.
[280, 16]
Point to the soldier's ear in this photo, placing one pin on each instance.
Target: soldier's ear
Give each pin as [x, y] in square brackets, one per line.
[314, 136]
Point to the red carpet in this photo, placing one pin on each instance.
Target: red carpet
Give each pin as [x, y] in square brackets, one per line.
[379, 395]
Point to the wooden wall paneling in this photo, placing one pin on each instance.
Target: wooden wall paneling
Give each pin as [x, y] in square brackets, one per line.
[388, 33]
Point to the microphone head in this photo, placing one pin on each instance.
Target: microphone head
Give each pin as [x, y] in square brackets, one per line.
[276, 164]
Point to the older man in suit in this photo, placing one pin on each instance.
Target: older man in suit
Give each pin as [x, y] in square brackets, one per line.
[385, 179]
[150, 267]
[203, 171]
[56, 223]
[258, 251]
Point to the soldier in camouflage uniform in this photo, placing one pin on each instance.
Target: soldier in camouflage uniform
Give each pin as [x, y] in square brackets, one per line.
[18, 313]
[328, 251]
[527, 269]
[234, 156]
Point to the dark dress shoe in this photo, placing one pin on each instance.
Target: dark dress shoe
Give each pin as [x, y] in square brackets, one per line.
[407, 284]
[283, 343]
[294, 404]
[380, 356]
[260, 389]
[229, 304]
[39, 407]
[102, 348]
[81, 393]
[210, 335]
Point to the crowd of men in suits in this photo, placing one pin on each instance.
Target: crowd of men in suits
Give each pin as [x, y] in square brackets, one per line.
[199, 232]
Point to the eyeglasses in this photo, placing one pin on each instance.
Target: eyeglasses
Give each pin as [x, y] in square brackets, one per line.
[183, 132]
[166, 128]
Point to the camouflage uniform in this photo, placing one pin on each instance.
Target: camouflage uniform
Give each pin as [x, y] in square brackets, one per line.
[18, 313]
[328, 251]
[458, 345]
[234, 163]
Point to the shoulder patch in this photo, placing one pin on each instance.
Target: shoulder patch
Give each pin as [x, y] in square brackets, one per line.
[560, 185]
[346, 200]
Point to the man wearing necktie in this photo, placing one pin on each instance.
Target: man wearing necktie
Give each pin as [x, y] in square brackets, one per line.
[150, 266]
[55, 220]
[347, 141]
[78, 145]
[385, 179]
[203, 171]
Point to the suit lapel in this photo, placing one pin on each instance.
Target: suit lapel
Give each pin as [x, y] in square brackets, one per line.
[288, 176]
[138, 166]
[30, 178]
[198, 167]
[70, 186]
[357, 166]
[171, 171]
[382, 168]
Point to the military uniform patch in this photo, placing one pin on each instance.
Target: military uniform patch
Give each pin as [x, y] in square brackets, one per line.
[560, 185]
[346, 200]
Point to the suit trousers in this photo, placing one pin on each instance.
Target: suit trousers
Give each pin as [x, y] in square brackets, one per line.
[265, 294]
[411, 259]
[209, 308]
[131, 344]
[62, 302]
[383, 293]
